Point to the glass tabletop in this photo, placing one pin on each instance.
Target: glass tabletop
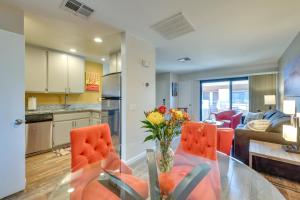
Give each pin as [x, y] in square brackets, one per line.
[191, 177]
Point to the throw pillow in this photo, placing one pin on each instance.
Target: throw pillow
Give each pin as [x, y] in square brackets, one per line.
[253, 116]
[269, 114]
[276, 125]
[259, 125]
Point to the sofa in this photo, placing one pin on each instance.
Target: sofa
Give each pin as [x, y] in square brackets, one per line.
[273, 134]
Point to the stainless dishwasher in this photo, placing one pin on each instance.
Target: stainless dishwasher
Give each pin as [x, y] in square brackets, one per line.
[38, 133]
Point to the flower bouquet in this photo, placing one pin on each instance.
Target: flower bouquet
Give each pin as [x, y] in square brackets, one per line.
[163, 126]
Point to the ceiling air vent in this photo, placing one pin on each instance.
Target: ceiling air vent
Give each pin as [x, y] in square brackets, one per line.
[173, 27]
[77, 8]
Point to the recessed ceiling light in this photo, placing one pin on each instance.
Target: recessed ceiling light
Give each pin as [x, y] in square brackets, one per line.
[103, 59]
[184, 59]
[98, 40]
[73, 50]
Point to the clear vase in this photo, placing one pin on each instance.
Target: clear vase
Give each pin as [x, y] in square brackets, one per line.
[164, 156]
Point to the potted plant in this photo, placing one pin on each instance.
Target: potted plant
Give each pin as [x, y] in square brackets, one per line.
[163, 126]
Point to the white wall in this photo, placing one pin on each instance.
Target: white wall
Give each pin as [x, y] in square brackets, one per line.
[136, 97]
[164, 89]
[289, 55]
[11, 19]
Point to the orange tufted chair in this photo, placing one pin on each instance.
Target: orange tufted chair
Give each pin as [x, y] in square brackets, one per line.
[91, 144]
[200, 139]
[225, 137]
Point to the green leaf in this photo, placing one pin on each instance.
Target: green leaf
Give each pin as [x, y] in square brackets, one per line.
[149, 137]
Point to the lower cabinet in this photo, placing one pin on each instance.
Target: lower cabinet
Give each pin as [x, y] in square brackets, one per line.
[61, 132]
[64, 123]
[82, 123]
[95, 121]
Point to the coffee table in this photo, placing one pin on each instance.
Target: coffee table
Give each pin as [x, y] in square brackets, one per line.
[271, 151]
[217, 123]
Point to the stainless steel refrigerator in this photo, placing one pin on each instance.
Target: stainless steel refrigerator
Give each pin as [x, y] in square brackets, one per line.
[111, 106]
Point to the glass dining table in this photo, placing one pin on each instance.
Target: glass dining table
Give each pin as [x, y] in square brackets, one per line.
[192, 177]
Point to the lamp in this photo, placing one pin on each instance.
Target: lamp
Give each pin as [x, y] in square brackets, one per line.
[290, 132]
[289, 107]
[270, 100]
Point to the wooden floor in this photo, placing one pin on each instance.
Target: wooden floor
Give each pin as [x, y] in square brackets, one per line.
[44, 172]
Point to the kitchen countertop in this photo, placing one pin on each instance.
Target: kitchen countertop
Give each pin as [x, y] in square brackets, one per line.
[63, 110]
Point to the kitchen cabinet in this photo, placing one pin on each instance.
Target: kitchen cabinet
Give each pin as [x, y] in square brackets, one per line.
[64, 123]
[115, 64]
[61, 132]
[57, 72]
[76, 74]
[53, 72]
[35, 69]
[95, 118]
[65, 73]
[79, 123]
[119, 63]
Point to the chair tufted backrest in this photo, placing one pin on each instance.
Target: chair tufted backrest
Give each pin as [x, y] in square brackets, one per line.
[200, 139]
[90, 144]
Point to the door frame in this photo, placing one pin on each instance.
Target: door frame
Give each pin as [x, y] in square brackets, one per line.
[220, 80]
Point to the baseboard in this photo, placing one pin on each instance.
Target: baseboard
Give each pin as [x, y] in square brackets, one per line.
[136, 158]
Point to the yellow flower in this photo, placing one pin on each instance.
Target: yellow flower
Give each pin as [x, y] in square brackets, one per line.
[178, 114]
[155, 118]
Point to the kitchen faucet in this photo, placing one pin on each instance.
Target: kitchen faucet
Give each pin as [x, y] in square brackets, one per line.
[65, 104]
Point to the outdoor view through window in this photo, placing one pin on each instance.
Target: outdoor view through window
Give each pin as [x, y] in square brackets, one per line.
[221, 95]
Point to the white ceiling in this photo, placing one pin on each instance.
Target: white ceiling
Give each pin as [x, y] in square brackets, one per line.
[228, 33]
[47, 25]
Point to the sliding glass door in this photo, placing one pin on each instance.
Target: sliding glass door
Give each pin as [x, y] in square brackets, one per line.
[240, 95]
[223, 94]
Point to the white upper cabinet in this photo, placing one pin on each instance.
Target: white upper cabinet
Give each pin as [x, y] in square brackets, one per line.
[115, 64]
[119, 65]
[35, 69]
[53, 72]
[57, 72]
[76, 74]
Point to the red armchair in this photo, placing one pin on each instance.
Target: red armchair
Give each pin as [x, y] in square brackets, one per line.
[230, 118]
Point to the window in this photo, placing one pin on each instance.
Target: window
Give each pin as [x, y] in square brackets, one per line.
[223, 94]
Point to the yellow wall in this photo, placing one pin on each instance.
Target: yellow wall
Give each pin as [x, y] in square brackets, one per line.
[86, 97]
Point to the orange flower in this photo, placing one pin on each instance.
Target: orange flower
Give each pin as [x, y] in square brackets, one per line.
[186, 116]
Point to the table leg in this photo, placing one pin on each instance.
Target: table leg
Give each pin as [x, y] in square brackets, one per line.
[250, 160]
